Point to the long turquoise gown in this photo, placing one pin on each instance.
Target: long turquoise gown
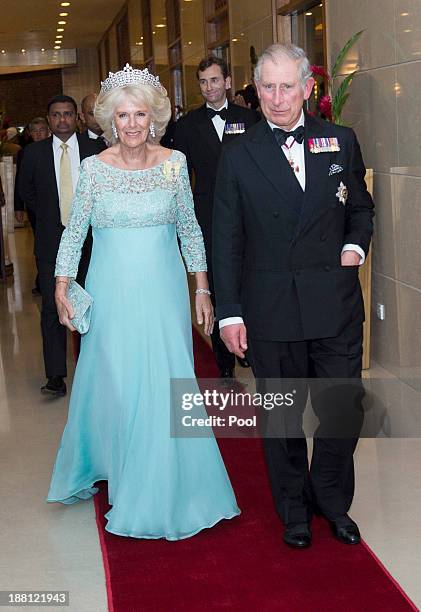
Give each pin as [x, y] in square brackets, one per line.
[118, 427]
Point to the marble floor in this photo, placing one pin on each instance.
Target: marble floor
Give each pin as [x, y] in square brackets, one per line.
[51, 547]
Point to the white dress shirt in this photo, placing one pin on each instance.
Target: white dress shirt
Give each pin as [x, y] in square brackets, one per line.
[92, 135]
[73, 152]
[217, 121]
[297, 154]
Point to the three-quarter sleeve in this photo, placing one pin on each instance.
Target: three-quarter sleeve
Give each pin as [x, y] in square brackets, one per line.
[188, 229]
[74, 235]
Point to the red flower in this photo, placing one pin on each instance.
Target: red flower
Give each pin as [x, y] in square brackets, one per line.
[320, 71]
[325, 106]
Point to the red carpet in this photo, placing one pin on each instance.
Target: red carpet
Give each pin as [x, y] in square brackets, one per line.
[243, 563]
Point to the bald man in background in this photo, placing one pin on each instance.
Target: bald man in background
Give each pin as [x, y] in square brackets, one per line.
[93, 130]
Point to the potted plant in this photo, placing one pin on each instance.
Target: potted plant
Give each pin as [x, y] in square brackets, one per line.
[332, 104]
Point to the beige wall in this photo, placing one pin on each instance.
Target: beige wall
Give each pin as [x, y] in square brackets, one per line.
[83, 78]
[193, 49]
[251, 25]
[385, 111]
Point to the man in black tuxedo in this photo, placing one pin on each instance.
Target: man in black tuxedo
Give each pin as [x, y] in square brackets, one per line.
[93, 130]
[292, 223]
[201, 135]
[46, 183]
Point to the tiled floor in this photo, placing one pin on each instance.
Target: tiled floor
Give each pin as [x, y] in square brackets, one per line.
[45, 546]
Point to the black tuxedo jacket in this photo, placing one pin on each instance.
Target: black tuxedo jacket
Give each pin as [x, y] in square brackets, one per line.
[196, 137]
[99, 143]
[277, 249]
[38, 189]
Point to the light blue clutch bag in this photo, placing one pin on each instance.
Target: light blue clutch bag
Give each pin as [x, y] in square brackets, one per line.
[81, 302]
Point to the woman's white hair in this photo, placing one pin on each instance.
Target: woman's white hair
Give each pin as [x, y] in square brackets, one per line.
[276, 53]
[153, 98]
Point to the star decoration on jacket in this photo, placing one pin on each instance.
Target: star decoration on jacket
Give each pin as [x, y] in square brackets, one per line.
[342, 193]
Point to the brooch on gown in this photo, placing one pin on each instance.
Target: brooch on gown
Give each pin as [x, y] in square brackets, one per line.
[171, 170]
[342, 193]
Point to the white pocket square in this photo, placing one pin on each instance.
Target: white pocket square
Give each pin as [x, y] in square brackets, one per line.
[334, 169]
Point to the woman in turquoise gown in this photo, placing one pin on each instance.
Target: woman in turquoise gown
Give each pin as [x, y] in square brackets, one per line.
[137, 198]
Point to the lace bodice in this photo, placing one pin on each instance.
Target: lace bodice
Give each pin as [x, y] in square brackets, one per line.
[107, 197]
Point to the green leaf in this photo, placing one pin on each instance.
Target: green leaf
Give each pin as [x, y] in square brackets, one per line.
[336, 114]
[343, 53]
[341, 96]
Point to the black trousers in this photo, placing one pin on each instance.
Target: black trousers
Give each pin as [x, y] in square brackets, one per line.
[33, 222]
[329, 481]
[54, 335]
[224, 359]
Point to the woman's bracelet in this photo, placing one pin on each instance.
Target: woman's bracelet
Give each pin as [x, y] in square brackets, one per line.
[202, 291]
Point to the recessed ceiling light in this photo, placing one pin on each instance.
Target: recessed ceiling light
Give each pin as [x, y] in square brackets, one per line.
[160, 25]
[234, 39]
[141, 38]
[189, 42]
[404, 14]
[61, 22]
[60, 29]
[3, 51]
[57, 47]
[153, 32]
[64, 3]
[42, 50]
[23, 50]
[63, 14]
[59, 35]
[309, 14]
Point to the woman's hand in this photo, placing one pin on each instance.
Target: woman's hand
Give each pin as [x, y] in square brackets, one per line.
[204, 312]
[64, 307]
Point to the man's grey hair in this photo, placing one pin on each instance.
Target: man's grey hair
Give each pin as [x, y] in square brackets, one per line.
[37, 121]
[276, 53]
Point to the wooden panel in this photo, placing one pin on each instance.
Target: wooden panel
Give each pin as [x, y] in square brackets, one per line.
[123, 42]
[365, 280]
[26, 94]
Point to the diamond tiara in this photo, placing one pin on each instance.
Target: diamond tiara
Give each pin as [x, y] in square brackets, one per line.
[130, 76]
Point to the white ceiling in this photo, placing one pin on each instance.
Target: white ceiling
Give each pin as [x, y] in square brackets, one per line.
[32, 24]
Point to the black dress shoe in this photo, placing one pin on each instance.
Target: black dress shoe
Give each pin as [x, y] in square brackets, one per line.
[298, 536]
[55, 386]
[243, 362]
[346, 532]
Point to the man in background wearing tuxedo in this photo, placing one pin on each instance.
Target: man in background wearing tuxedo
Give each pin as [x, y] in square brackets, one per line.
[292, 224]
[46, 183]
[93, 130]
[201, 135]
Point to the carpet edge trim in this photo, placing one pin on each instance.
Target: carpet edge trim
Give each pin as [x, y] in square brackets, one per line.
[103, 547]
[389, 575]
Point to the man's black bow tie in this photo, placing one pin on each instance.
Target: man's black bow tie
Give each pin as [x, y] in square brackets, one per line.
[282, 136]
[212, 113]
